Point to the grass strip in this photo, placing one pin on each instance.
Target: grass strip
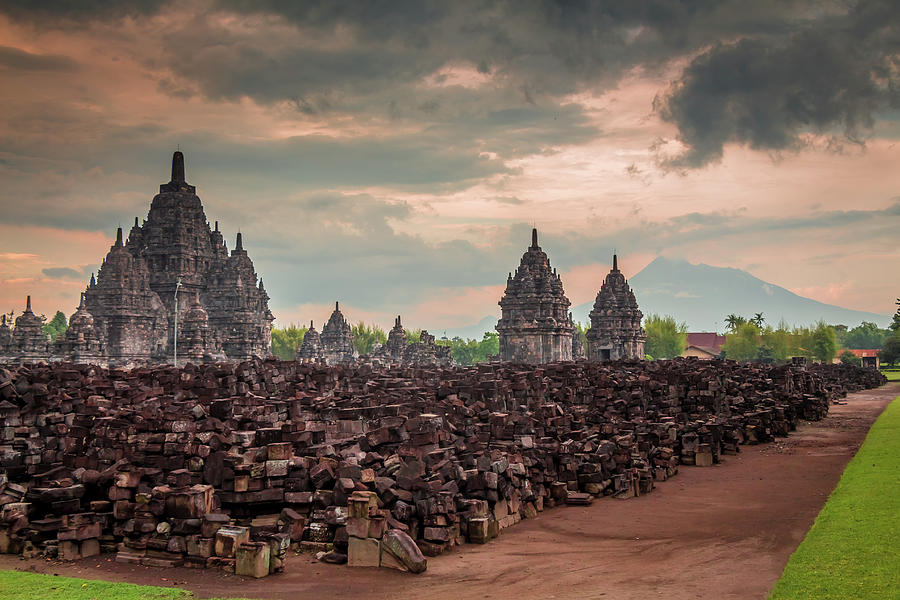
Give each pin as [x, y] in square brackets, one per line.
[853, 548]
[15, 585]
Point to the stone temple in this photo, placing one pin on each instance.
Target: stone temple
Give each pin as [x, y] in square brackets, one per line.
[615, 321]
[127, 313]
[535, 325]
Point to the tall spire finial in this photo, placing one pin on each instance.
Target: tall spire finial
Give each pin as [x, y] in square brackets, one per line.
[615, 263]
[81, 302]
[311, 326]
[534, 237]
[178, 167]
[239, 245]
[28, 303]
[119, 237]
[337, 306]
[135, 221]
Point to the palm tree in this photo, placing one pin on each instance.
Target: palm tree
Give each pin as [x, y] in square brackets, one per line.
[758, 319]
[734, 321]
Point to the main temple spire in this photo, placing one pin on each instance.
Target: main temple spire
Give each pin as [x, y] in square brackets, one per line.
[178, 167]
[534, 243]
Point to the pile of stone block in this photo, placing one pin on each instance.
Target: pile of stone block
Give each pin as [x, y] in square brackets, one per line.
[229, 465]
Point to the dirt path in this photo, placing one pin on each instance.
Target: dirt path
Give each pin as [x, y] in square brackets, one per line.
[724, 532]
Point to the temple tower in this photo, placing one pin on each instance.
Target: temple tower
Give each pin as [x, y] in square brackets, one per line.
[615, 321]
[311, 348]
[28, 337]
[337, 339]
[535, 326]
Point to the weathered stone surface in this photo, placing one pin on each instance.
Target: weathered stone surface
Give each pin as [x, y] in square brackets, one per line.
[404, 549]
[364, 552]
[615, 331]
[535, 326]
[127, 314]
[181, 466]
[252, 559]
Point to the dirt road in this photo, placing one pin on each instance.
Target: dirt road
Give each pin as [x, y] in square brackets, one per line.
[723, 532]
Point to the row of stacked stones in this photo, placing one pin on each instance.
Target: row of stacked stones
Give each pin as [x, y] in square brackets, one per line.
[227, 465]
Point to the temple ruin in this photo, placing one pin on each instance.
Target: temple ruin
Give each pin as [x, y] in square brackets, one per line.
[127, 313]
[615, 321]
[535, 325]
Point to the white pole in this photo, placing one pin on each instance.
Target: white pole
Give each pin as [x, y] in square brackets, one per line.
[175, 357]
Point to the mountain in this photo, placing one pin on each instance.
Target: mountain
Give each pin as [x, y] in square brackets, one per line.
[702, 296]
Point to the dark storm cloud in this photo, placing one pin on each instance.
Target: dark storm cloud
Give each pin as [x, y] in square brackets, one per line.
[765, 93]
[368, 60]
[54, 13]
[14, 58]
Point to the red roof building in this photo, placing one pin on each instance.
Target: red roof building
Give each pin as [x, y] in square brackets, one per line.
[704, 345]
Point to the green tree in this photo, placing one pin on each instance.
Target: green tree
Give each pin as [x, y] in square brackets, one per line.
[824, 342]
[580, 328]
[895, 323]
[848, 358]
[413, 335]
[865, 337]
[56, 327]
[470, 351]
[841, 332]
[666, 338]
[758, 319]
[743, 344]
[366, 336]
[734, 321]
[780, 341]
[286, 340]
[890, 351]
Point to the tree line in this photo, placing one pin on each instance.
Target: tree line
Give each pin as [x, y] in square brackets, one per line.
[752, 339]
[286, 341]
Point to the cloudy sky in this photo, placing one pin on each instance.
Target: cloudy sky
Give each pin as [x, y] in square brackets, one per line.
[394, 155]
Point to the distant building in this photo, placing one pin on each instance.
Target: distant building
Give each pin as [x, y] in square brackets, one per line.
[704, 345]
[868, 358]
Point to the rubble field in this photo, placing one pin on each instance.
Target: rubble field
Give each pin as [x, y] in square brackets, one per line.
[227, 466]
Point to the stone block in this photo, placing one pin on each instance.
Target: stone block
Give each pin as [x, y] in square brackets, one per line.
[252, 559]
[229, 538]
[364, 552]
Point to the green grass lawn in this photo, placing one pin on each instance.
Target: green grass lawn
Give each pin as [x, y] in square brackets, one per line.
[853, 548]
[892, 375]
[15, 585]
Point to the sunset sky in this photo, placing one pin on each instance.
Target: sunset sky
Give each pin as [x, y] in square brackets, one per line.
[394, 155]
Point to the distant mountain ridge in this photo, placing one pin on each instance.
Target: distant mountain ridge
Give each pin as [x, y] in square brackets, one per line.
[702, 295]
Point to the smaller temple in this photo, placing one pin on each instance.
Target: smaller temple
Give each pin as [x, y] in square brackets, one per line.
[535, 326]
[393, 349]
[311, 348]
[81, 343]
[615, 331]
[200, 342]
[28, 339]
[337, 339]
[5, 336]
